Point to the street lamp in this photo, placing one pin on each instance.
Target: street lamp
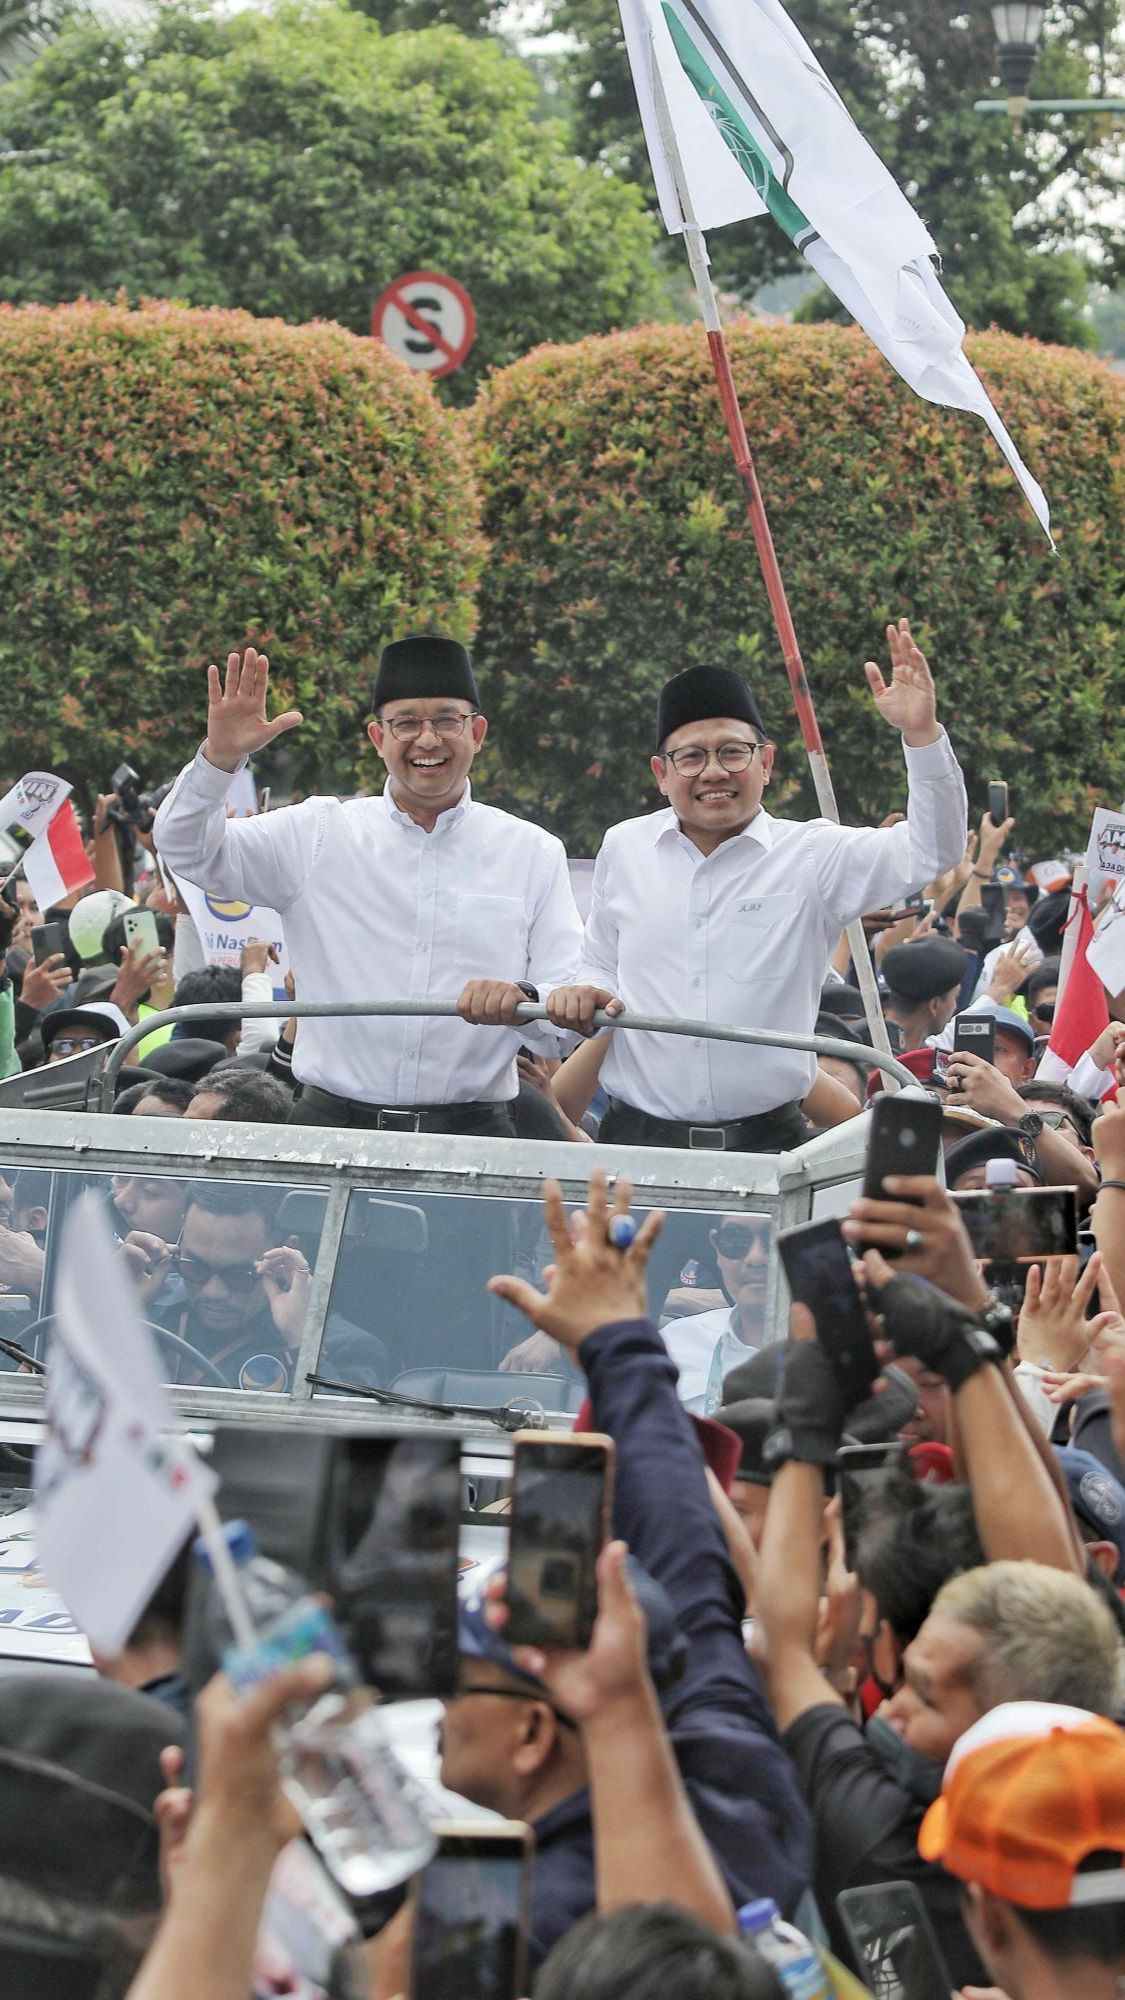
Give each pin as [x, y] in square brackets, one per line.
[1018, 25]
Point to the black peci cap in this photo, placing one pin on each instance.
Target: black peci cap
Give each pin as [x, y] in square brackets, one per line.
[425, 668]
[699, 694]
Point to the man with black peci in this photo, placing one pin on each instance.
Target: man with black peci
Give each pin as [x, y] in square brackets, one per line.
[716, 910]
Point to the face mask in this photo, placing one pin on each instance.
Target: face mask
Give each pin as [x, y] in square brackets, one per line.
[918, 1775]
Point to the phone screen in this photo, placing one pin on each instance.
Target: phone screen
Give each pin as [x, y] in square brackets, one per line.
[993, 905]
[904, 1138]
[894, 1943]
[975, 1034]
[141, 929]
[469, 1919]
[46, 939]
[1018, 1225]
[861, 1473]
[819, 1275]
[997, 802]
[393, 1567]
[558, 1525]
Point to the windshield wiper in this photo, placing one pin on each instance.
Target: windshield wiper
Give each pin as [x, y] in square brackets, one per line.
[15, 1352]
[512, 1416]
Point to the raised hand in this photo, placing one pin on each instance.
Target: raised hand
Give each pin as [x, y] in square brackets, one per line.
[237, 725]
[908, 701]
[590, 1283]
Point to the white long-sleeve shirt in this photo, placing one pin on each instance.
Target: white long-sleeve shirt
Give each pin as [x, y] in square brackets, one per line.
[376, 908]
[743, 935]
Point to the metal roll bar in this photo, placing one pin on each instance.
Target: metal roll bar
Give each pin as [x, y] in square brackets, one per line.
[712, 1031]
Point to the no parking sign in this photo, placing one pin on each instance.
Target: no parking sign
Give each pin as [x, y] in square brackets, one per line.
[427, 319]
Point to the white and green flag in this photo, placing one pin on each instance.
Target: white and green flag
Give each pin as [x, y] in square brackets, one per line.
[760, 129]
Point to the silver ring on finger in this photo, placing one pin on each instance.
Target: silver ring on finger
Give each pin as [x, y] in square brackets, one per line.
[914, 1240]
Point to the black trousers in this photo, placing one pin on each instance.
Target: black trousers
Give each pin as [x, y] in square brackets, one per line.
[313, 1106]
[774, 1131]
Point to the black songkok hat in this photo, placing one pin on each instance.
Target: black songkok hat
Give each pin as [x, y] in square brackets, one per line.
[921, 969]
[700, 694]
[425, 668]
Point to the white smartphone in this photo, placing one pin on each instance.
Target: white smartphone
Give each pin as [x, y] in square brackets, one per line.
[140, 929]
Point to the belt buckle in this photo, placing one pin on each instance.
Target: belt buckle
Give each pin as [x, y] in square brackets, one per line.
[707, 1138]
[391, 1120]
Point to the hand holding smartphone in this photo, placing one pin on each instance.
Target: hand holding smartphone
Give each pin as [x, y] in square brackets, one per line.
[47, 939]
[141, 931]
[819, 1274]
[471, 1911]
[561, 1496]
[904, 1138]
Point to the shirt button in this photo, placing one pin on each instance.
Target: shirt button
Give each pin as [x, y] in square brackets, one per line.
[697, 982]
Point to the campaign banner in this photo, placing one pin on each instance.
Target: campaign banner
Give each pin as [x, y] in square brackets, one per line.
[1105, 854]
[225, 926]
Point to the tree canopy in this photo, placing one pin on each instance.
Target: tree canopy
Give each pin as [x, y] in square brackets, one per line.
[294, 164]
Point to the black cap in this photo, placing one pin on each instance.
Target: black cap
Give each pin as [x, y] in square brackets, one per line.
[426, 668]
[190, 1058]
[752, 1420]
[837, 997]
[700, 694]
[1047, 921]
[920, 971]
[998, 1143]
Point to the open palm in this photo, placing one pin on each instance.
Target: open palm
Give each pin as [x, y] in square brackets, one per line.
[907, 702]
[237, 724]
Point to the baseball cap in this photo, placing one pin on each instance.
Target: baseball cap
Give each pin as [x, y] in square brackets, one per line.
[1029, 1791]
[1097, 1498]
[476, 1639]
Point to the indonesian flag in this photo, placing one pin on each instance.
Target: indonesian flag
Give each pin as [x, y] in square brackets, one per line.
[55, 864]
[759, 129]
[1081, 1010]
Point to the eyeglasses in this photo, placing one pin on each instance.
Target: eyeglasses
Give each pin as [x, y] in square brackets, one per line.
[737, 1239]
[195, 1274]
[73, 1045]
[404, 727]
[517, 1694]
[1054, 1119]
[691, 760]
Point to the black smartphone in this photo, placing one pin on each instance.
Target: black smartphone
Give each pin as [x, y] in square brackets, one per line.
[994, 907]
[975, 1035]
[394, 1565]
[861, 1472]
[470, 1913]
[46, 939]
[1020, 1225]
[893, 1942]
[904, 1138]
[998, 801]
[818, 1271]
[561, 1493]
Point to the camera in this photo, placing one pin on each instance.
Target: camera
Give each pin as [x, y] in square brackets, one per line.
[135, 808]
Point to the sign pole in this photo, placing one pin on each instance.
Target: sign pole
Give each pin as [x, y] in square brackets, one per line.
[696, 246]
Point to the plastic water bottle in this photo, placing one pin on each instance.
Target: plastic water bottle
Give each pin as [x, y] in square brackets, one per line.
[787, 1949]
[365, 1813]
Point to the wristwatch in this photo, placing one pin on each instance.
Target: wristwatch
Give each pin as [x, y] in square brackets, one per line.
[1031, 1124]
[974, 1350]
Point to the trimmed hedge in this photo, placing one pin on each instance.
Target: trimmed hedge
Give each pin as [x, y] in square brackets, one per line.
[177, 483]
[620, 552]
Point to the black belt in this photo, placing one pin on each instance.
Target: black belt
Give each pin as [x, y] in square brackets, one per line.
[402, 1117]
[736, 1137]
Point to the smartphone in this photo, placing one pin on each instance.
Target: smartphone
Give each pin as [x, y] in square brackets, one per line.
[1020, 1225]
[861, 1471]
[392, 1562]
[47, 939]
[904, 1138]
[562, 1488]
[993, 905]
[975, 1035]
[819, 1274]
[893, 1942]
[470, 1913]
[998, 802]
[912, 906]
[140, 929]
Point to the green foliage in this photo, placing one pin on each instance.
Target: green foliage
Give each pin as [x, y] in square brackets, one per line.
[295, 164]
[1016, 217]
[620, 552]
[180, 483]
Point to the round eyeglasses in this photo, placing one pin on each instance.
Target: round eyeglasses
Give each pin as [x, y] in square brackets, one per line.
[692, 759]
[405, 727]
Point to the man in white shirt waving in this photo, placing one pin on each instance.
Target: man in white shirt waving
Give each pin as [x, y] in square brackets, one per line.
[714, 910]
[419, 891]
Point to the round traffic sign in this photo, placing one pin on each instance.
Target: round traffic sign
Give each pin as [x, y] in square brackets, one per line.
[426, 319]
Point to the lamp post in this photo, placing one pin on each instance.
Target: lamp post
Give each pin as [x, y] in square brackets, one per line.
[1018, 25]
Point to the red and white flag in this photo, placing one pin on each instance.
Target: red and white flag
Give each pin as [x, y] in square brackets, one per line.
[55, 864]
[1081, 1009]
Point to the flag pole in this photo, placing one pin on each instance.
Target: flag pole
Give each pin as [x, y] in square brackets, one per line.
[696, 246]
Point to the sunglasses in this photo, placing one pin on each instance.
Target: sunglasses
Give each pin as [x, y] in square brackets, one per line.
[240, 1278]
[737, 1239]
[1045, 1013]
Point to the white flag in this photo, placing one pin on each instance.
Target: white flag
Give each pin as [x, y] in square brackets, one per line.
[760, 129]
[34, 801]
[116, 1490]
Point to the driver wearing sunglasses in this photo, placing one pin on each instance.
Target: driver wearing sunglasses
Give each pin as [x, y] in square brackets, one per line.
[706, 1346]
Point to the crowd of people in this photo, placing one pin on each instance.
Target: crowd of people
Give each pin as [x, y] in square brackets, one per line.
[801, 1683]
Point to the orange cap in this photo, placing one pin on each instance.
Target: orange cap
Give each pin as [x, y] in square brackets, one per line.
[1028, 1792]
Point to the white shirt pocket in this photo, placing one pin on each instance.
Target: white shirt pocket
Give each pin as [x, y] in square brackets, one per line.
[491, 937]
[758, 939]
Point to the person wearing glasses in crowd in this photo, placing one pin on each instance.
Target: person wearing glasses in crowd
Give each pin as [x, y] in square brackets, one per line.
[419, 891]
[706, 1346]
[717, 910]
[239, 1297]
